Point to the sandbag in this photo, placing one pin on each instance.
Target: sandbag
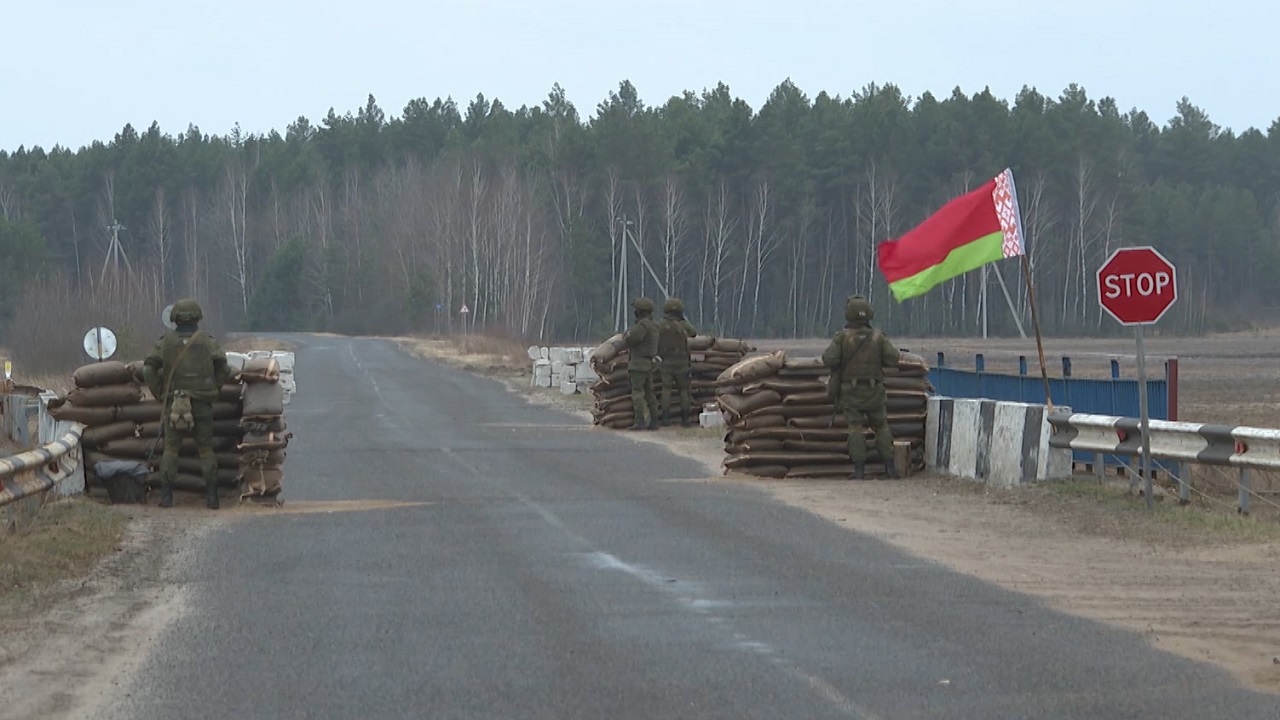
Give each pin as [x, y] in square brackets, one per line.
[787, 433]
[815, 446]
[265, 441]
[789, 459]
[228, 428]
[759, 421]
[756, 445]
[105, 396]
[606, 350]
[261, 370]
[94, 436]
[753, 368]
[88, 416]
[107, 372]
[263, 399]
[262, 424]
[261, 482]
[700, 343]
[739, 347]
[807, 398]
[738, 404]
[787, 386]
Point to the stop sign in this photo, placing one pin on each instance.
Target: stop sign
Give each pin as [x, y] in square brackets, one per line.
[1137, 285]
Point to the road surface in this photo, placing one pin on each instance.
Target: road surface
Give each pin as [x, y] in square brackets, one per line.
[544, 569]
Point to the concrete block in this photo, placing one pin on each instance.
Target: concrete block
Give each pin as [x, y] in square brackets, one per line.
[568, 386]
[710, 419]
[557, 366]
[544, 353]
[534, 352]
[544, 381]
[573, 356]
[1004, 444]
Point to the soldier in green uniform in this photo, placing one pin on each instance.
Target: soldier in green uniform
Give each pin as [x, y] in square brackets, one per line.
[673, 347]
[642, 341]
[857, 357]
[184, 371]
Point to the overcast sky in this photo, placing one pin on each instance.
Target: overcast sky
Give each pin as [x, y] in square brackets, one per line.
[74, 71]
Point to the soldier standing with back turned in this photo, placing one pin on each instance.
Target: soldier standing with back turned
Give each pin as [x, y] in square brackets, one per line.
[184, 371]
[673, 346]
[857, 356]
[641, 340]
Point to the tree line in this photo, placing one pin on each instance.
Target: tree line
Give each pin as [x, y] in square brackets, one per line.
[545, 222]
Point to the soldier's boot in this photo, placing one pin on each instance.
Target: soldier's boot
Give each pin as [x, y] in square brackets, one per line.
[653, 421]
[859, 471]
[166, 494]
[684, 417]
[666, 415]
[891, 469]
[639, 423]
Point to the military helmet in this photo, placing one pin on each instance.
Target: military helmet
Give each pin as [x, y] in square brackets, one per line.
[186, 311]
[858, 308]
[642, 305]
[673, 305]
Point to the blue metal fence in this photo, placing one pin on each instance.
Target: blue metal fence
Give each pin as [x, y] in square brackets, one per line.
[1117, 396]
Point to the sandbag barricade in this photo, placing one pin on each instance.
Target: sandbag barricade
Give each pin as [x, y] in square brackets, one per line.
[780, 422]
[709, 358]
[123, 423]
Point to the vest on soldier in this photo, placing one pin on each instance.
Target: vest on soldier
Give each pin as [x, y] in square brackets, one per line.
[189, 368]
[673, 344]
[860, 351]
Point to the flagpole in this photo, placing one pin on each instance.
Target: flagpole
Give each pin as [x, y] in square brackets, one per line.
[1035, 322]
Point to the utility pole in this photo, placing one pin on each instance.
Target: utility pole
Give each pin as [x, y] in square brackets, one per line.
[621, 316]
[115, 251]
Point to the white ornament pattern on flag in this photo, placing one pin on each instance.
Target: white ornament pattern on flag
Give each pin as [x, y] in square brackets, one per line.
[1006, 201]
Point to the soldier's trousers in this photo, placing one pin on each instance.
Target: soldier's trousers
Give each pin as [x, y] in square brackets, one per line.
[865, 406]
[642, 396]
[675, 378]
[202, 434]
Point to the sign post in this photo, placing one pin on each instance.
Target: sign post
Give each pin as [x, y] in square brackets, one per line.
[1137, 286]
[464, 312]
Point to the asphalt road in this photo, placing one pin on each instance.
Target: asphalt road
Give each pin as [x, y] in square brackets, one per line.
[557, 571]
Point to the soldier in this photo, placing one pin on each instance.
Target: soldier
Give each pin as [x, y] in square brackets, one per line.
[642, 341]
[673, 346]
[857, 357]
[184, 371]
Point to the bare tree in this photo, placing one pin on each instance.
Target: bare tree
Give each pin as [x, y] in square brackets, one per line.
[159, 231]
[719, 226]
[675, 222]
[10, 209]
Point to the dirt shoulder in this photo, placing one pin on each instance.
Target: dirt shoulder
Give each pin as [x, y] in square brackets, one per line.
[96, 586]
[1196, 581]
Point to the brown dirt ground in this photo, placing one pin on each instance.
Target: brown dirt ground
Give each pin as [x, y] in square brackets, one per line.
[1198, 581]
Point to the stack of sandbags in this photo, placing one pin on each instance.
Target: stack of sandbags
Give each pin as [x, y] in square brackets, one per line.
[780, 422]
[265, 433]
[122, 422]
[709, 358]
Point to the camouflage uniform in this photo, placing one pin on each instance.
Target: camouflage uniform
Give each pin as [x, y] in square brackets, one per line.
[189, 361]
[642, 341]
[857, 357]
[674, 371]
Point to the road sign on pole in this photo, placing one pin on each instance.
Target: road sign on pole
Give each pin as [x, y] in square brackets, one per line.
[1137, 286]
[100, 343]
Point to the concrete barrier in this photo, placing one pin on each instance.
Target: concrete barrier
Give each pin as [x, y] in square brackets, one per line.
[1004, 444]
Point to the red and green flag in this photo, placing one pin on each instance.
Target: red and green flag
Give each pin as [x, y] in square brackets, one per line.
[972, 230]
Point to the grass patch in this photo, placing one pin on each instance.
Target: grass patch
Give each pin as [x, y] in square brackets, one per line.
[65, 539]
[250, 344]
[485, 354]
[1112, 509]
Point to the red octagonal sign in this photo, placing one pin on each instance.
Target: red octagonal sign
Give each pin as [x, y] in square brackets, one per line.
[1137, 285]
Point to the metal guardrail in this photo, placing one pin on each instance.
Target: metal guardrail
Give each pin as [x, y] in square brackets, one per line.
[1235, 446]
[33, 473]
[38, 471]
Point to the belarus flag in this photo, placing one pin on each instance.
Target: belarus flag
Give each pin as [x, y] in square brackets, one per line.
[972, 230]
